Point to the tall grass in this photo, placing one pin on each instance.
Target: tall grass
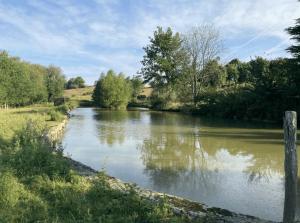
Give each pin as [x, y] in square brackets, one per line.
[14, 119]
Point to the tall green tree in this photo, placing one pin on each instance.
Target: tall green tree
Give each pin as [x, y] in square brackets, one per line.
[295, 33]
[214, 74]
[295, 51]
[136, 86]
[112, 91]
[55, 82]
[232, 70]
[164, 58]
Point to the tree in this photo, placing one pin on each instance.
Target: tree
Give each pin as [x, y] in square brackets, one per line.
[55, 82]
[202, 44]
[260, 72]
[232, 70]
[164, 58]
[136, 86]
[77, 82]
[295, 33]
[112, 91]
[214, 74]
[295, 51]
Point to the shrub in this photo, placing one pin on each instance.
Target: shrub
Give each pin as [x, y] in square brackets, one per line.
[64, 109]
[55, 115]
[17, 204]
[31, 154]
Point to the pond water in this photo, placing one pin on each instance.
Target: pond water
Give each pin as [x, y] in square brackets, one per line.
[232, 165]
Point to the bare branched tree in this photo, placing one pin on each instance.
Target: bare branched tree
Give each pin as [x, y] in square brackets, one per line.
[202, 44]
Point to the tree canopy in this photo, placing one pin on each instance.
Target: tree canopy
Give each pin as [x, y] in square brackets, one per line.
[295, 35]
[164, 58]
[22, 83]
[77, 82]
[112, 91]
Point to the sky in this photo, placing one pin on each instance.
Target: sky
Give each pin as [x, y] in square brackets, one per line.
[87, 37]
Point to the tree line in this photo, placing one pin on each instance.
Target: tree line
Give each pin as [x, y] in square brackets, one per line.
[23, 83]
[185, 69]
[185, 72]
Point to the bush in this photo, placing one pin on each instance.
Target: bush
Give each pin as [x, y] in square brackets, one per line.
[55, 115]
[64, 109]
[31, 154]
[17, 204]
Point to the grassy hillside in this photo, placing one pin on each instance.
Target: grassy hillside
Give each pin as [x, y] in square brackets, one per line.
[81, 95]
[147, 91]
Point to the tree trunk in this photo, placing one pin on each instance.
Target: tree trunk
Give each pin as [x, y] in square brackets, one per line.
[290, 166]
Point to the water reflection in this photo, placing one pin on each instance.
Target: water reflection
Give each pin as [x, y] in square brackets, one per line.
[111, 129]
[238, 166]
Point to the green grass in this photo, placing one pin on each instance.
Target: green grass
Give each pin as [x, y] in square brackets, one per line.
[14, 119]
[81, 96]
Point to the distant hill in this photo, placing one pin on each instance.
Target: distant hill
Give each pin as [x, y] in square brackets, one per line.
[85, 94]
[80, 94]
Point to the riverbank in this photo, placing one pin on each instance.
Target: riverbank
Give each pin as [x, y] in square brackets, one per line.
[179, 206]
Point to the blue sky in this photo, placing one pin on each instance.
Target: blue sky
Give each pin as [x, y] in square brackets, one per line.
[92, 36]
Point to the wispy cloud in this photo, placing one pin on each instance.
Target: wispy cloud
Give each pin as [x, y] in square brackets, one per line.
[88, 37]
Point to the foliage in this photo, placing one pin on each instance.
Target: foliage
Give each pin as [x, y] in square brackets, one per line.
[164, 58]
[56, 115]
[76, 82]
[213, 74]
[266, 93]
[112, 91]
[22, 83]
[55, 82]
[136, 86]
[295, 33]
[30, 154]
[17, 204]
[202, 45]
[257, 89]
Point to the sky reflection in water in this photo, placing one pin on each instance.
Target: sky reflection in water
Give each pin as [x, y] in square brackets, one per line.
[232, 165]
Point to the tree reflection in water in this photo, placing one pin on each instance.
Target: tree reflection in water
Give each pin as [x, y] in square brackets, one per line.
[111, 125]
[209, 160]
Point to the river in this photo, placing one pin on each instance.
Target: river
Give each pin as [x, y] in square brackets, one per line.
[228, 164]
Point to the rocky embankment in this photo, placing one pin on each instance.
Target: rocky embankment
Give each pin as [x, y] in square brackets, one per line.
[178, 205]
[55, 133]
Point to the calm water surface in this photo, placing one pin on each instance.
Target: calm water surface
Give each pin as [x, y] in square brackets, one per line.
[231, 165]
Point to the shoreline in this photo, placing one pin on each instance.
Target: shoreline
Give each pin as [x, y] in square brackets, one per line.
[179, 205]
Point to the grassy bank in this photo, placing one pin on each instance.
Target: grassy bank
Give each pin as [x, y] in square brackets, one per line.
[39, 185]
[14, 119]
[81, 96]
